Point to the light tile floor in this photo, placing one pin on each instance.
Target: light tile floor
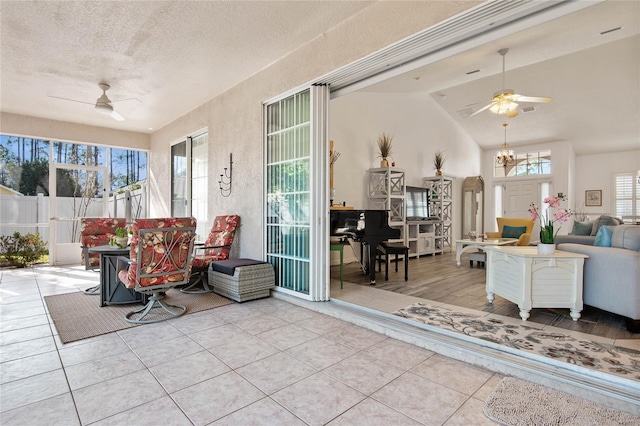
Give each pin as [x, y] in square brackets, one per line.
[261, 362]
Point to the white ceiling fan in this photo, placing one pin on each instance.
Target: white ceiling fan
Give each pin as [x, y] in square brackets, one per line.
[506, 101]
[103, 103]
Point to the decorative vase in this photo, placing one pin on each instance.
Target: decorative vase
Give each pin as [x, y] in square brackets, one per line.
[546, 248]
[384, 162]
[438, 172]
[120, 241]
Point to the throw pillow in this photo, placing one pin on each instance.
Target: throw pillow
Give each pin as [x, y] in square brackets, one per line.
[601, 221]
[603, 237]
[582, 228]
[513, 231]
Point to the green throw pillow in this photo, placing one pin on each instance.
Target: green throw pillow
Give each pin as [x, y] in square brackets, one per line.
[513, 231]
[582, 228]
[603, 237]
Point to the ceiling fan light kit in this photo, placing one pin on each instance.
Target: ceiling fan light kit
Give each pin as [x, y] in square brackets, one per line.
[505, 101]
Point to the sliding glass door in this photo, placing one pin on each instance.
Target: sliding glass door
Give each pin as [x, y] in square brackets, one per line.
[296, 192]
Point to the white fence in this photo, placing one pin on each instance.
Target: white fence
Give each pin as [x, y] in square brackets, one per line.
[30, 214]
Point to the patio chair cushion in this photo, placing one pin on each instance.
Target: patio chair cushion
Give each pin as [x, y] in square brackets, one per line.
[97, 231]
[221, 236]
[152, 252]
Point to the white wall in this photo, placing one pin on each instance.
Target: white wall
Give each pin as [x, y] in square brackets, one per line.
[234, 118]
[419, 128]
[596, 172]
[35, 127]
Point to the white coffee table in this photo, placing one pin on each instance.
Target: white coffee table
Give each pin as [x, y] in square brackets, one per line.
[480, 244]
[532, 280]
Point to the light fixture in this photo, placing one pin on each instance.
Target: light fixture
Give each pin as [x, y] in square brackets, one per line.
[502, 103]
[506, 155]
[225, 178]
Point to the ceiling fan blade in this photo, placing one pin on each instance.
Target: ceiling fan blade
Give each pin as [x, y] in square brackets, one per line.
[126, 100]
[481, 109]
[114, 114]
[536, 99]
[72, 100]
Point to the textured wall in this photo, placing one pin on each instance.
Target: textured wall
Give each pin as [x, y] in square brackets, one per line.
[234, 119]
[14, 124]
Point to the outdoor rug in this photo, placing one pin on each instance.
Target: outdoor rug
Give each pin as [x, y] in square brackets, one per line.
[516, 402]
[78, 316]
[612, 359]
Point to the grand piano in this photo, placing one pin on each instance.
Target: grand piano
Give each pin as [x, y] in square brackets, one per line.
[369, 227]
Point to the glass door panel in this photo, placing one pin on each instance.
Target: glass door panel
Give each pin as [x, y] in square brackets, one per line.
[179, 179]
[78, 193]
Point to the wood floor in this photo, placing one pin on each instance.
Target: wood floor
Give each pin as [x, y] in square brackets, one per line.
[438, 278]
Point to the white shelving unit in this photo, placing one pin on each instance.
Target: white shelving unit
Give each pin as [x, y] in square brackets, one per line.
[441, 205]
[387, 192]
[421, 237]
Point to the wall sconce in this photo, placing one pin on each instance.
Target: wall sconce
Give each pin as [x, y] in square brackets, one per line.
[226, 178]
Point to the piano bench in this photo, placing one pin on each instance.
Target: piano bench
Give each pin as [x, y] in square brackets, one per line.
[385, 249]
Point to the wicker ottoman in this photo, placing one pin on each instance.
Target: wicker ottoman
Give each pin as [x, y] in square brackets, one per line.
[241, 279]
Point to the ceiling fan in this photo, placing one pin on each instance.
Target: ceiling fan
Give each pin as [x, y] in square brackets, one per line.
[506, 101]
[103, 103]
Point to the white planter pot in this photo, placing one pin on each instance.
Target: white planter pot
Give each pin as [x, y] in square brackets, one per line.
[546, 248]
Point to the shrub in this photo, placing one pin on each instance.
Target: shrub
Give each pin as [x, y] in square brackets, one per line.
[22, 250]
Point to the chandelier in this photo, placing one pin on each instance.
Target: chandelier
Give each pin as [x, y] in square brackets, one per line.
[506, 155]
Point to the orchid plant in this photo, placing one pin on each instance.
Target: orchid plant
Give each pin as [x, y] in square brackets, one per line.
[553, 214]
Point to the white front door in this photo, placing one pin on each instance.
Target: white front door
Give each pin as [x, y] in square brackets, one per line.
[518, 196]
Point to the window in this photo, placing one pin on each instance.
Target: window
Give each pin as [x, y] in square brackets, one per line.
[526, 164]
[627, 195]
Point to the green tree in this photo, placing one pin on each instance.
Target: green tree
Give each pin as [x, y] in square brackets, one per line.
[34, 177]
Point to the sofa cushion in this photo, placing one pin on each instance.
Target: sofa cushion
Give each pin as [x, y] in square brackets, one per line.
[513, 231]
[582, 228]
[603, 237]
[627, 237]
[603, 220]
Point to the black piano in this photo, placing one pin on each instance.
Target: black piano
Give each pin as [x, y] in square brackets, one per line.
[369, 227]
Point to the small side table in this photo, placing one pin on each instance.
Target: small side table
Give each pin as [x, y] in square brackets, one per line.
[112, 291]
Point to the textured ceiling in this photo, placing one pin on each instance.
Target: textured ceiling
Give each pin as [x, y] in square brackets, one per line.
[169, 56]
[165, 58]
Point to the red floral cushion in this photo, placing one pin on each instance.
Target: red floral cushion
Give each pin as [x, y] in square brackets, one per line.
[222, 233]
[152, 257]
[97, 231]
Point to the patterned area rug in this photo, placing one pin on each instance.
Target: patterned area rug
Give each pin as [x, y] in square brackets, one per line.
[516, 402]
[563, 347]
[78, 316]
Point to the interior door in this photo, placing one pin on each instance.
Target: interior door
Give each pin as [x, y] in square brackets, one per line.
[518, 196]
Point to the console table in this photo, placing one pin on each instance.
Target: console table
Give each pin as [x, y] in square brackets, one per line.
[532, 280]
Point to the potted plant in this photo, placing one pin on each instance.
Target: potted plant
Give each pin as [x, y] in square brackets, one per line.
[438, 162]
[554, 213]
[384, 147]
[121, 238]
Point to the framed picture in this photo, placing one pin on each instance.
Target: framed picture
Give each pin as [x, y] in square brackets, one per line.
[593, 197]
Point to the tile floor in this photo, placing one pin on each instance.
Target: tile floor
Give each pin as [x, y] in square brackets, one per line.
[261, 362]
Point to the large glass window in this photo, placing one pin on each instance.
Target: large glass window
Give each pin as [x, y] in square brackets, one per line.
[627, 194]
[526, 164]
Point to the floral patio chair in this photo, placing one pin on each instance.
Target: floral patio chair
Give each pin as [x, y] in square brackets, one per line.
[96, 231]
[216, 247]
[159, 259]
